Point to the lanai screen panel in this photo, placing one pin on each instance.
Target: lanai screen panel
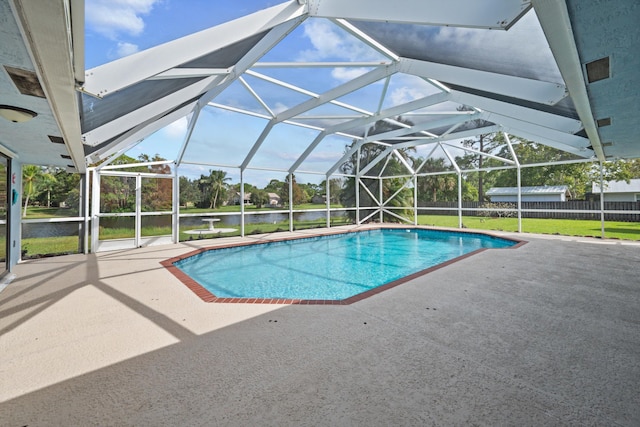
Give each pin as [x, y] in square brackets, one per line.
[446, 67]
[522, 51]
[99, 111]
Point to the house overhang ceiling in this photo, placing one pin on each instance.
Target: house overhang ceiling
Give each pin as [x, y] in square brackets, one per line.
[37, 46]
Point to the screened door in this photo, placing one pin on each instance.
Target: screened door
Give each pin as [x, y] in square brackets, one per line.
[133, 210]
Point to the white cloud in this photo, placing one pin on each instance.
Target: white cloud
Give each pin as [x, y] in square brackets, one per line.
[329, 42]
[324, 156]
[114, 17]
[346, 74]
[405, 94]
[279, 107]
[176, 129]
[406, 88]
[126, 49]
[521, 51]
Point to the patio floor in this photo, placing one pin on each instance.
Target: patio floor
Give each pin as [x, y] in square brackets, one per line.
[546, 334]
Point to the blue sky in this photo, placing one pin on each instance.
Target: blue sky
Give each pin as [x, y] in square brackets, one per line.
[117, 28]
[122, 27]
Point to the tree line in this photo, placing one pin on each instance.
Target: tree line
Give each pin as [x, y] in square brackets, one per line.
[483, 152]
[214, 190]
[52, 187]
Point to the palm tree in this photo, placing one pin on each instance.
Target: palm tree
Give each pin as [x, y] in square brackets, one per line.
[35, 180]
[30, 178]
[47, 183]
[215, 185]
[433, 185]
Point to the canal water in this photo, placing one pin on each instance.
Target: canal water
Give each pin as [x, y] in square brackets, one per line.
[55, 229]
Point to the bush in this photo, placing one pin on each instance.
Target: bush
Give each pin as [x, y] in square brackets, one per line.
[500, 210]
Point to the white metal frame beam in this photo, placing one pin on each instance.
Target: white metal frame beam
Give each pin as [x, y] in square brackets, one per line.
[116, 75]
[478, 152]
[362, 36]
[330, 96]
[449, 137]
[490, 14]
[206, 89]
[274, 36]
[342, 90]
[390, 112]
[563, 141]
[149, 112]
[189, 73]
[138, 132]
[552, 121]
[516, 87]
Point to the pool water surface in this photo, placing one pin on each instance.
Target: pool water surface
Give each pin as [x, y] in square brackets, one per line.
[331, 267]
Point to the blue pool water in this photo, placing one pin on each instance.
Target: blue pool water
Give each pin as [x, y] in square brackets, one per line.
[331, 267]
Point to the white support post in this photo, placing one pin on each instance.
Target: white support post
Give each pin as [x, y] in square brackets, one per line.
[138, 218]
[241, 202]
[519, 172]
[380, 199]
[357, 187]
[415, 199]
[95, 210]
[175, 211]
[328, 201]
[459, 199]
[459, 172]
[601, 200]
[518, 177]
[290, 201]
[86, 204]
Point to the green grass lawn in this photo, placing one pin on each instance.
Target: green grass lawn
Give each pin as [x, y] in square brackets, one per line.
[38, 212]
[249, 208]
[69, 244]
[565, 227]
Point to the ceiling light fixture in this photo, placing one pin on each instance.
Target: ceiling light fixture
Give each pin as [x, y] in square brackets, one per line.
[16, 114]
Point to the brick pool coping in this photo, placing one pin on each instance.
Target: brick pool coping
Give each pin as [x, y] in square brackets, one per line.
[207, 296]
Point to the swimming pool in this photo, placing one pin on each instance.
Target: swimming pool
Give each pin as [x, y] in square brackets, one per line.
[327, 268]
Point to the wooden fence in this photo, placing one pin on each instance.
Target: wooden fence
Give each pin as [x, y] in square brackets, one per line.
[559, 208]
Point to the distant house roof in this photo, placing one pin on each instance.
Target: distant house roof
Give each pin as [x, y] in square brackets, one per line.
[273, 196]
[541, 189]
[617, 186]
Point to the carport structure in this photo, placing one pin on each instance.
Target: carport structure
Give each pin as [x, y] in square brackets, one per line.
[547, 71]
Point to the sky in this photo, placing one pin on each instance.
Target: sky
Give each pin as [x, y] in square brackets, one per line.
[117, 28]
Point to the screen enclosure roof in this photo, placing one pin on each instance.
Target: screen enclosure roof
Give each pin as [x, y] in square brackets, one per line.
[561, 73]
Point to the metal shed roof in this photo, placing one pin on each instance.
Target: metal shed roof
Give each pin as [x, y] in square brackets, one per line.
[633, 186]
[541, 189]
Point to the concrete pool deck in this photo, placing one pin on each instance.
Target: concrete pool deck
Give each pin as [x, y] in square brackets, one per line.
[546, 334]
